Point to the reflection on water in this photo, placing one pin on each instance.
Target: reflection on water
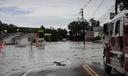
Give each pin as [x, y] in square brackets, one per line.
[68, 53]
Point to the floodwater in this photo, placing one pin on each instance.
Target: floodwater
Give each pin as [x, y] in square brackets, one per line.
[55, 55]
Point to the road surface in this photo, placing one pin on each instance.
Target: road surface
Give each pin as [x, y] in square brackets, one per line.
[56, 59]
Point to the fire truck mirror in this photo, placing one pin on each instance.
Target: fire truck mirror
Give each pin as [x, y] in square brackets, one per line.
[105, 29]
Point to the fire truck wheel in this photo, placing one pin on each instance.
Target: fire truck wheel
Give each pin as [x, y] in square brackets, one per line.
[106, 67]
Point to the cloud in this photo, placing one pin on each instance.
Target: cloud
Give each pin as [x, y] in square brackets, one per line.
[54, 13]
[13, 11]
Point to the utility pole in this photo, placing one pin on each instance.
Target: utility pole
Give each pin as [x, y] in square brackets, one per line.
[31, 45]
[82, 14]
[116, 7]
[82, 18]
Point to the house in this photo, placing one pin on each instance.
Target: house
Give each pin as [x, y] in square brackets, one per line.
[89, 35]
[8, 37]
[97, 30]
[23, 39]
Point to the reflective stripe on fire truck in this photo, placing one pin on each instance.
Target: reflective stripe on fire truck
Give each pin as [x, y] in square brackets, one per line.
[126, 23]
[115, 60]
[117, 52]
[126, 55]
[119, 69]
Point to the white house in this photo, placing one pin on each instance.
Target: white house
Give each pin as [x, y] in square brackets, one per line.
[8, 38]
[97, 31]
[23, 39]
[89, 35]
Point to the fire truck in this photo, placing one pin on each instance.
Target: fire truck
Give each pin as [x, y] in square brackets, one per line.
[115, 40]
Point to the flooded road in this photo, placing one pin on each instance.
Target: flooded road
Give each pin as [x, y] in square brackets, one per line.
[56, 59]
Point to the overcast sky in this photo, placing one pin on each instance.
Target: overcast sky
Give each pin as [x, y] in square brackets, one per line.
[50, 13]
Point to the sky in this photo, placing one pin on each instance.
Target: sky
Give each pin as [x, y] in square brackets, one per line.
[50, 13]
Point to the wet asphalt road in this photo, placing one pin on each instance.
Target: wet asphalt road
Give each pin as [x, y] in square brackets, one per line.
[100, 70]
[56, 59]
[77, 71]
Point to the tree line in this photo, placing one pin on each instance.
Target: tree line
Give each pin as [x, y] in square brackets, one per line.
[75, 28]
[56, 34]
[11, 28]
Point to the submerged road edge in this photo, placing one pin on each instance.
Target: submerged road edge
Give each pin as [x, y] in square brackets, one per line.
[89, 70]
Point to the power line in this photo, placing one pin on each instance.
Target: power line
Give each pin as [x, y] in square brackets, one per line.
[81, 10]
[97, 8]
[103, 17]
[108, 11]
[87, 3]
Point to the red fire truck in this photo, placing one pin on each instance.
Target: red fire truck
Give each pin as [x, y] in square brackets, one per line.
[116, 43]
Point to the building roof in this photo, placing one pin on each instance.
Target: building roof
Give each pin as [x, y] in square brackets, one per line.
[8, 35]
[23, 36]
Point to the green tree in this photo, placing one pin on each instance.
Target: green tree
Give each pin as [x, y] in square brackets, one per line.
[11, 28]
[77, 28]
[62, 33]
[123, 4]
[74, 27]
[94, 23]
[42, 27]
[53, 32]
[1, 26]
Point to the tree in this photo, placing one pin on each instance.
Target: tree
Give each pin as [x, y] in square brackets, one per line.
[123, 4]
[84, 25]
[94, 23]
[1, 26]
[42, 27]
[62, 33]
[0, 22]
[77, 28]
[74, 27]
[11, 28]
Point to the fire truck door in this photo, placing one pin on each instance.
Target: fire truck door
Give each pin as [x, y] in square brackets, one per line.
[118, 36]
[117, 53]
[126, 43]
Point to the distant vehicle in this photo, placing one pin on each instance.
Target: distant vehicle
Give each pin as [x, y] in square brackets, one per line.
[116, 43]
